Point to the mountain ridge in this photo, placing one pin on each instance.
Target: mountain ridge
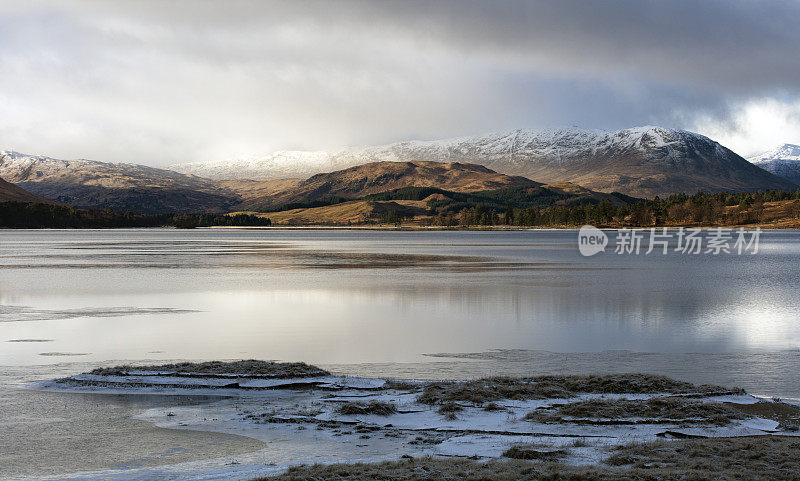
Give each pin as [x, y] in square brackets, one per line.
[377, 177]
[783, 161]
[119, 186]
[643, 161]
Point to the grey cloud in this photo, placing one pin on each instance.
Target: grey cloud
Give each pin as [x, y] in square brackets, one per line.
[160, 82]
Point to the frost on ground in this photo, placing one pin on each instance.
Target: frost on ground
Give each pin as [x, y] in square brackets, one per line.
[578, 421]
[753, 459]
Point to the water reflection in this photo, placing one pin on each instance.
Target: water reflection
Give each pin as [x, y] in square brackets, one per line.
[345, 296]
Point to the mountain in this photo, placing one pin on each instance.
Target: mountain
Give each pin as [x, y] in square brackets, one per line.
[418, 203]
[347, 213]
[13, 193]
[118, 186]
[783, 161]
[642, 161]
[377, 177]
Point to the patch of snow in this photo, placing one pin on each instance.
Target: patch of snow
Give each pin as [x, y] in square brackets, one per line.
[515, 149]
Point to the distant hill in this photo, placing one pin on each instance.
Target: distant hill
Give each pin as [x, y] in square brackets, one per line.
[417, 203]
[14, 193]
[377, 177]
[353, 212]
[783, 161]
[119, 186]
[642, 161]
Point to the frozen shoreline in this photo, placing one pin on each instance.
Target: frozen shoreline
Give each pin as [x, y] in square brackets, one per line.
[299, 421]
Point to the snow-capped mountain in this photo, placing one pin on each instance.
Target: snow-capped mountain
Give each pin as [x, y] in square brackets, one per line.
[121, 186]
[783, 161]
[644, 161]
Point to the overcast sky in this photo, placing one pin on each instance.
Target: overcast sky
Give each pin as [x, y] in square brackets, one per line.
[163, 82]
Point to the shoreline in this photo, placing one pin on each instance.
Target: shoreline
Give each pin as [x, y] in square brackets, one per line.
[286, 411]
[413, 228]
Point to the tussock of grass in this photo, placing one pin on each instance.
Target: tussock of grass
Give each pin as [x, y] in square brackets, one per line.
[251, 367]
[399, 385]
[492, 389]
[487, 390]
[654, 409]
[765, 458]
[631, 383]
[530, 452]
[449, 410]
[762, 457]
[373, 407]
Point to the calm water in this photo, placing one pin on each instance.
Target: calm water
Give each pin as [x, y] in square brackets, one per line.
[367, 296]
[376, 302]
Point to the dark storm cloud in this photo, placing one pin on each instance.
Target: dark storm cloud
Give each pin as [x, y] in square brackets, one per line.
[157, 82]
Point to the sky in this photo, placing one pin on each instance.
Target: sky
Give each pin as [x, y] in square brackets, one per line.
[158, 83]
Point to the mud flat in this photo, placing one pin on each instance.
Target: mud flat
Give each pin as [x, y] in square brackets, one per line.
[581, 424]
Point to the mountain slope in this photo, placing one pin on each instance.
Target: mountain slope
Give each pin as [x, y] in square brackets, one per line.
[643, 161]
[14, 193]
[783, 161]
[376, 177]
[118, 186]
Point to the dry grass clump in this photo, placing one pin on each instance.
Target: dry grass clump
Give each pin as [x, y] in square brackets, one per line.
[650, 410]
[531, 453]
[481, 391]
[630, 383]
[251, 367]
[492, 389]
[449, 410]
[373, 407]
[399, 385]
[759, 457]
[740, 459]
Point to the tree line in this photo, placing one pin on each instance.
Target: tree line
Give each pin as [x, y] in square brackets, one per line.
[23, 215]
[728, 208]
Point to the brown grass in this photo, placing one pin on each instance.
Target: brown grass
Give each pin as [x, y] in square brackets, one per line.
[531, 453]
[372, 407]
[739, 459]
[650, 410]
[485, 390]
[250, 367]
[786, 414]
[762, 457]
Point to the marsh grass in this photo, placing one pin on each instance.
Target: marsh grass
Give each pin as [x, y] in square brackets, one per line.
[765, 458]
[400, 385]
[486, 390]
[372, 407]
[494, 389]
[759, 457]
[251, 367]
[493, 407]
[532, 453]
[449, 410]
[649, 410]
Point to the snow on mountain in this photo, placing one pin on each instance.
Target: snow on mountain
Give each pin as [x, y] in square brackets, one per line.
[503, 150]
[89, 183]
[786, 152]
[277, 165]
[783, 161]
[18, 167]
[644, 161]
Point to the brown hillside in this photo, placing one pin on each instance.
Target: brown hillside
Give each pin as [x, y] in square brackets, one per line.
[11, 192]
[379, 177]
